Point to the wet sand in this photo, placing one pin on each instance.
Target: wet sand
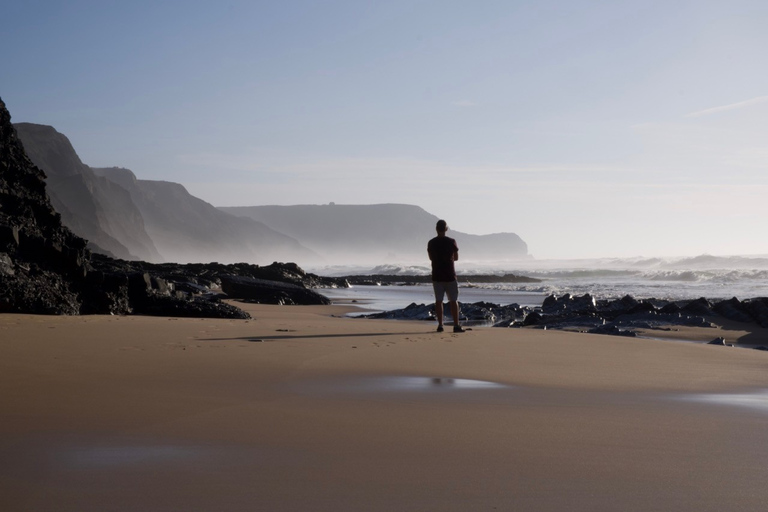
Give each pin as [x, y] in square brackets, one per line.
[303, 409]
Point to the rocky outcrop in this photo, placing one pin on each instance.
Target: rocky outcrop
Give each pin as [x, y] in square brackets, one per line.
[269, 292]
[41, 260]
[278, 283]
[375, 233]
[478, 313]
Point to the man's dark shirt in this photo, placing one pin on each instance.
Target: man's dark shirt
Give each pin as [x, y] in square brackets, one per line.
[441, 250]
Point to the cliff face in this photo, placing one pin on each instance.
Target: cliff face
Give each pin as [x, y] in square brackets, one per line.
[154, 221]
[157, 221]
[40, 260]
[93, 207]
[188, 229]
[375, 233]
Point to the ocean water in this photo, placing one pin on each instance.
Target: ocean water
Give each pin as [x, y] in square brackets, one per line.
[387, 298]
[713, 277]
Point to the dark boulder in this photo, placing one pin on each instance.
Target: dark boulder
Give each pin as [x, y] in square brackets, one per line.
[533, 318]
[569, 304]
[611, 308]
[700, 307]
[160, 305]
[732, 309]
[612, 330]
[669, 309]
[269, 292]
[642, 306]
[758, 309]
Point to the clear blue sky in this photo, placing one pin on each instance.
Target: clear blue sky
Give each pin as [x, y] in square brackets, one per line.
[590, 128]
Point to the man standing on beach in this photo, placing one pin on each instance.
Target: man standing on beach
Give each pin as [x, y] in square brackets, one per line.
[443, 251]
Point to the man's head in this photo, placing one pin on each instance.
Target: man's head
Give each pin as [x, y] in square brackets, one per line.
[441, 226]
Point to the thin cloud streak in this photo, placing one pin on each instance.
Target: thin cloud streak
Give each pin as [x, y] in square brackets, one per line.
[732, 106]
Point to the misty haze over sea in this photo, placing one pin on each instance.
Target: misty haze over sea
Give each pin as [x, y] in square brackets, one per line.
[713, 277]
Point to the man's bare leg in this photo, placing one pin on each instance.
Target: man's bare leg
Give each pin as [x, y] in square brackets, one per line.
[439, 313]
[454, 305]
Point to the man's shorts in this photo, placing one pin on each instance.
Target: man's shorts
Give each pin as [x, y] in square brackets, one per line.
[442, 288]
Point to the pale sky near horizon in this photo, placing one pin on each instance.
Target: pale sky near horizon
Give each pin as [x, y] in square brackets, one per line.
[589, 128]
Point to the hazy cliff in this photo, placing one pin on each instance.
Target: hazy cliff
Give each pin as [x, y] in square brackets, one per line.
[186, 228]
[377, 233]
[154, 221]
[158, 221]
[93, 207]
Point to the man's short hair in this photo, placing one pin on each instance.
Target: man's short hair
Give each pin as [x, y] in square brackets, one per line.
[442, 226]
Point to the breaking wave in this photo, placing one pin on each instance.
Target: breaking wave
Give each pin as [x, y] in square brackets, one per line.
[714, 277]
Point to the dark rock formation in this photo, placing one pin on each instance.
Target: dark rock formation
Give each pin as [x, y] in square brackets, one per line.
[585, 304]
[278, 283]
[732, 309]
[612, 330]
[701, 307]
[758, 310]
[478, 313]
[269, 292]
[41, 260]
[615, 317]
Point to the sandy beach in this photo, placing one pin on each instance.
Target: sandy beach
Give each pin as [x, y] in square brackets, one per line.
[302, 408]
